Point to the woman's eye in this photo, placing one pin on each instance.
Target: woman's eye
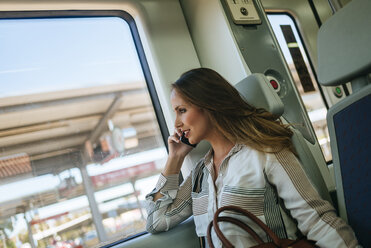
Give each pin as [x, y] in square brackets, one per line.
[182, 110]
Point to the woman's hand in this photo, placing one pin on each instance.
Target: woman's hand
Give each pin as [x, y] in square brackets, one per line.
[176, 147]
[177, 151]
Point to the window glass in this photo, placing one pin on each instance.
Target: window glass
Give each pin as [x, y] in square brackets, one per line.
[301, 71]
[80, 143]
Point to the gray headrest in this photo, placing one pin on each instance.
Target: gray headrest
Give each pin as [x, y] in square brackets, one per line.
[344, 44]
[257, 91]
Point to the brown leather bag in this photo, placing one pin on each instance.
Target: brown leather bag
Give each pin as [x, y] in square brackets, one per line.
[276, 241]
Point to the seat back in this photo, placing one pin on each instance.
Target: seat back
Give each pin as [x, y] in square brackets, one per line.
[257, 91]
[349, 123]
[344, 55]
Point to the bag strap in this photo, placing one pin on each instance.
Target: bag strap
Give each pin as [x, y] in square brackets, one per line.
[224, 240]
[276, 240]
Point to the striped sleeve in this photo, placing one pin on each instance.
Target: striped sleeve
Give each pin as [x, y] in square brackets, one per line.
[316, 217]
[174, 207]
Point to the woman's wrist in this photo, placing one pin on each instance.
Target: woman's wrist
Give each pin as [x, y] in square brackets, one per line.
[173, 165]
[170, 171]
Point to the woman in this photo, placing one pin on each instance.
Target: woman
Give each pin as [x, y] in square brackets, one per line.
[250, 161]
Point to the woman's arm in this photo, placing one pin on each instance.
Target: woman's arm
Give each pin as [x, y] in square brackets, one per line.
[316, 217]
[169, 203]
[172, 167]
[172, 206]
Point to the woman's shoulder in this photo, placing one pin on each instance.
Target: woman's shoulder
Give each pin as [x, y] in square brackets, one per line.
[270, 157]
[247, 155]
[284, 159]
[249, 152]
[285, 156]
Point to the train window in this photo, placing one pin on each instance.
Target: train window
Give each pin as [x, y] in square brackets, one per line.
[299, 65]
[80, 139]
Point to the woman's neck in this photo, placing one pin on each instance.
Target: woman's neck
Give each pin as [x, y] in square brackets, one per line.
[221, 147]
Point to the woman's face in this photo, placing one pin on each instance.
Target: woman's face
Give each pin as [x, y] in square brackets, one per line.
[190, 119]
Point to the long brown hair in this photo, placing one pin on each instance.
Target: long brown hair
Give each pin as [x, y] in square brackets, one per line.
[237, 120]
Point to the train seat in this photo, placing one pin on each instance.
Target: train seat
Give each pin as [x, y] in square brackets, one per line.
[344, 55]
[257, 91]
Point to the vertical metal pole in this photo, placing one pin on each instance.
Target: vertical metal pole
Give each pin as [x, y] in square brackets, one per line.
[2, 236]
[138, 202]
[30, 234]
[97, 217]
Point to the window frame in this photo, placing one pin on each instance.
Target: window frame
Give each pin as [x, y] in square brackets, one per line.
[288, 14]
[46, 14]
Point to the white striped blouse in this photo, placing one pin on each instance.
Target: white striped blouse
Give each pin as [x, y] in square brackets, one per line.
[251, 180]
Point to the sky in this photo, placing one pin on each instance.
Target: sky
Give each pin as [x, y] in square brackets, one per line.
[42, 55]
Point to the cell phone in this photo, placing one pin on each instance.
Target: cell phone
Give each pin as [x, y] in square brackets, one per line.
[186, 141]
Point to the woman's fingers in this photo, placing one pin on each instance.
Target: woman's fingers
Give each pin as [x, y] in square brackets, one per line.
[178, 132]
[176, 146]
[174, 138]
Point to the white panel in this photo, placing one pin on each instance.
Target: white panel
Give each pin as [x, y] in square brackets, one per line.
[216, 49]
[213, 39]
